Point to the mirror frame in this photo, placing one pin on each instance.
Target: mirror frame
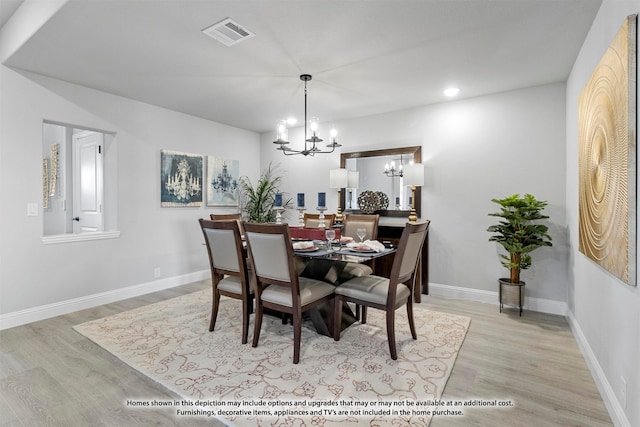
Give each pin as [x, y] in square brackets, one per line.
[416, 150]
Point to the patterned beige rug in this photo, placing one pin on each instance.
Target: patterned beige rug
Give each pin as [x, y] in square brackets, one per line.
[351, 382]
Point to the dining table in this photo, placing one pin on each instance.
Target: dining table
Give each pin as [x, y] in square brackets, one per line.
[326, 261]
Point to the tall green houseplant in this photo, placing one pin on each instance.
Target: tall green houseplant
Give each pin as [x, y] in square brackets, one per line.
[257, 202]
[519, 232]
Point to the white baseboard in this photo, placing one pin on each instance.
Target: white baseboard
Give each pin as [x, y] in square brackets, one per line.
[616, 412]
[35, 314]
[491, 297]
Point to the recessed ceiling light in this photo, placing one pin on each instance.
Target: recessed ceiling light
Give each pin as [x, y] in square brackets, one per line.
[452, 91]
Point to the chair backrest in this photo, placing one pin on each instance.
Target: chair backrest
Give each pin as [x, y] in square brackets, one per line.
[271, 252]
[226, 217]
[224, 246]
[352, 222]
[407, 255]
[312, 220]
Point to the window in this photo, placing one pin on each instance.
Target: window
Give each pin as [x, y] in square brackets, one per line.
[76, 170]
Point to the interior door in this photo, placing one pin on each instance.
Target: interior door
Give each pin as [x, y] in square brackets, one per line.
[87, 182]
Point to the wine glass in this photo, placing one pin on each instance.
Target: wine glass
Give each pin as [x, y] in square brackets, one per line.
[330, 234]
[361, 232]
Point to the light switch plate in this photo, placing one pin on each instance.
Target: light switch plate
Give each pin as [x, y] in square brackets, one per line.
[32, 209]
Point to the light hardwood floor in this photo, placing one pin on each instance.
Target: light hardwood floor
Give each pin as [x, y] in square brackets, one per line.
[51, 375]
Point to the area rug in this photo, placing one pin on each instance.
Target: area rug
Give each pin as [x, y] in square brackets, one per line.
[351, 382]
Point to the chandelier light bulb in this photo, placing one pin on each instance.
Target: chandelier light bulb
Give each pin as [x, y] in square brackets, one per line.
[334, 135]
[314, 124]
[392, 170]
[282, 131]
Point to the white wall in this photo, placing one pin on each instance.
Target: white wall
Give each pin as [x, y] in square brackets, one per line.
[473, 150]
[606, 312]
[34, 275]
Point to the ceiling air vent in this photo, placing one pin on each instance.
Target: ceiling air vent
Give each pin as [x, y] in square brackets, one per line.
[228, 32]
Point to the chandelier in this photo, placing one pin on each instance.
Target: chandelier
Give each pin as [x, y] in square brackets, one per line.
[224, 182]
[310, 144]
[391, 171]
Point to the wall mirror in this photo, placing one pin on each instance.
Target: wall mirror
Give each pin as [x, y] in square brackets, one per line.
[380, 171]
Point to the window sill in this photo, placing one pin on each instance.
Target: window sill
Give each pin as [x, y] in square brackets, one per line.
[82, 237]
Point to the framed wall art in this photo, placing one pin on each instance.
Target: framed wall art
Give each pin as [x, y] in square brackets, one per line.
[607, 158]
[180, 179]
[222, 181]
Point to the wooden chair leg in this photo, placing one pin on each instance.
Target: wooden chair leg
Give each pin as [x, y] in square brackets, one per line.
[246, 309]
[297, 335]
[391, 334]
[257, 323]
[412, 325]
[214, 309]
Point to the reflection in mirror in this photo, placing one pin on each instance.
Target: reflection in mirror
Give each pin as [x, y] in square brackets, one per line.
[380, 171]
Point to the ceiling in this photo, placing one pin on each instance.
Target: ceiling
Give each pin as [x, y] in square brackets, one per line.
[366, 57]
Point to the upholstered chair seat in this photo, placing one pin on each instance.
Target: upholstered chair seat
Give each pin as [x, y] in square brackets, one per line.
[234, 284]
[374, 289]
[310, 290]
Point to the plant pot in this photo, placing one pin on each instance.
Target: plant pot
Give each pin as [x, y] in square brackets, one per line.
[511, 293]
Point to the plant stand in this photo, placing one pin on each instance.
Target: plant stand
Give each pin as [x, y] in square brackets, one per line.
[511, 294]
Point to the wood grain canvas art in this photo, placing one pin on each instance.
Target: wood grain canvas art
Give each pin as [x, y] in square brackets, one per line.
[607, 158]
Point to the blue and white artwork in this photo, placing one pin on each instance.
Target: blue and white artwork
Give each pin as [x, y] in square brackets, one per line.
[222, 181]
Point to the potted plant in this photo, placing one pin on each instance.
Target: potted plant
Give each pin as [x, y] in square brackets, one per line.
[257, 203]
[520, 233]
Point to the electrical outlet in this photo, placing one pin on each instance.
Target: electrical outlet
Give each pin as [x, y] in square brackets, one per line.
[156, 272]
[623, 393]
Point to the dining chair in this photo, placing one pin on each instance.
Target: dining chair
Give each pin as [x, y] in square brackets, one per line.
[313, 220]
[229, 268]
[225, 217]
[350, 225]
[387, 294]
[272, 254]
[352, 222]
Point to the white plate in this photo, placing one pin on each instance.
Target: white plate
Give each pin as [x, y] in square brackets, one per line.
[366, 251]
[311, 249]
